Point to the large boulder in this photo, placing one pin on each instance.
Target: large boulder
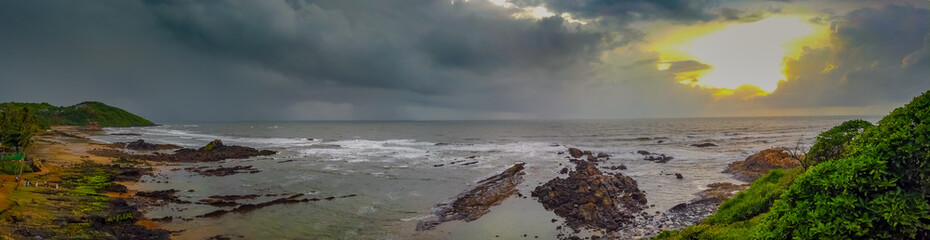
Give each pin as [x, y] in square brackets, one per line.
[589, 198]
[761, 163]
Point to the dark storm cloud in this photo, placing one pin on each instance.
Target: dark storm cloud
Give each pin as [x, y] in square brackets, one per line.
[630, 10]
[413, 59]
[233, 59]
[408, 45]
[878, 55]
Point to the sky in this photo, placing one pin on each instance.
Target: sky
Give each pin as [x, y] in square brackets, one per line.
[200, 60]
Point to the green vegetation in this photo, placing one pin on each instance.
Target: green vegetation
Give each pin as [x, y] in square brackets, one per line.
[17, 126]
[757, 199]
[879, 189]
[81, 114]
[12, 167]
[871, 182]
[737, 217]
[832, 143]
[88, 180]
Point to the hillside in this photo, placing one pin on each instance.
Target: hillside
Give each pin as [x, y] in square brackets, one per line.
[79, 114]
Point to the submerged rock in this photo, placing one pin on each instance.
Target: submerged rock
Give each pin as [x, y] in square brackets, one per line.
[473, 204]
[162, 195]
[761, 163]
[701, 145]
[224, 171]
[589, 198]
[655, 157]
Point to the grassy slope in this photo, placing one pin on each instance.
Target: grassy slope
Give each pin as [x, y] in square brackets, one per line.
[80, 114]
[737, 217]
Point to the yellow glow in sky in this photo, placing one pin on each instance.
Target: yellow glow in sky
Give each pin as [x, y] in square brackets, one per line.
[739, 53]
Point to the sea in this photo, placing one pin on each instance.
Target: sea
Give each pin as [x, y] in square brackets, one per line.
[399, 170]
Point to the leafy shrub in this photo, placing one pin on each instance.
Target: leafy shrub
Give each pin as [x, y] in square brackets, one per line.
[878, 190]
[831, 144]
[849, 198]
[903, 140]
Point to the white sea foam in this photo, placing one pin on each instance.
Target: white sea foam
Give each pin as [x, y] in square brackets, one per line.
[416, 218]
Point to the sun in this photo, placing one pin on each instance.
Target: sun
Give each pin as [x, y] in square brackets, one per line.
[738, 55]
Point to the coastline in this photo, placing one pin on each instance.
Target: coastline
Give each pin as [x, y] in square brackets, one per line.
[64, 147]
[32, 211]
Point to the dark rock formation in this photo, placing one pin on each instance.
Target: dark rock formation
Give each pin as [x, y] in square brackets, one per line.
[655, 157]
[701, 145]
[223, 171]
[721, 191]
[125, 134]
[141, 145]
[679, 176]
[296, 198]
[761, 163]
[620, 167]
[116, 187]
[162, 195]
[575, 153]
[214, 151]
[226, 200]
[589, 198]
[473, 204]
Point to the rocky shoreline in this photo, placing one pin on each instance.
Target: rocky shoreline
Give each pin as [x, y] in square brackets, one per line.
[605, 205]
[587, 198]
[82, 193]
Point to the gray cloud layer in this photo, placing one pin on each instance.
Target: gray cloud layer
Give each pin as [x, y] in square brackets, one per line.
[412, 59]
[878, 55]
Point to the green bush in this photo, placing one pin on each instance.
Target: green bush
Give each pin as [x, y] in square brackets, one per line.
[850, 198]
[11, 167]
[831, 144]
[903, 140]
[871, 182]
[878, 190]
